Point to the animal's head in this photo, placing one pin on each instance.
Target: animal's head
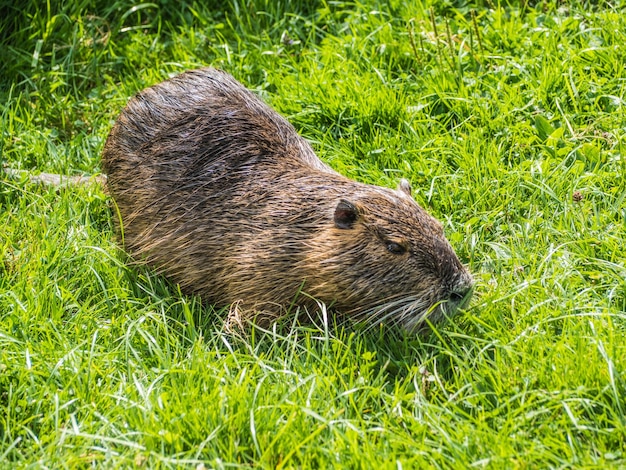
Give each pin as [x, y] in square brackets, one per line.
[387, 260]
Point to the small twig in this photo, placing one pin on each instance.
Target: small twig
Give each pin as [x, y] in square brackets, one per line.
[434, 23]
[409, 27]
[439, 53]
[51, 179]
[480, 42]
[451, 47]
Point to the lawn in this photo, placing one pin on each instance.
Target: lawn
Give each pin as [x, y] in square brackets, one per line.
[509, 120]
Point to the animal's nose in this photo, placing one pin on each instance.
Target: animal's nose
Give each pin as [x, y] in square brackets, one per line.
[457, 296]
[461, 293]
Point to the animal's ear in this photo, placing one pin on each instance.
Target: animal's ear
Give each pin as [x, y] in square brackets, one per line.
[346, 214]
[405, 187]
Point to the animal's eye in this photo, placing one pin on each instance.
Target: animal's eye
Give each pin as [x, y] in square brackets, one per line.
[396, 248]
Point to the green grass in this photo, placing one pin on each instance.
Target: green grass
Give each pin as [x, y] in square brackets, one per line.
[510, 123]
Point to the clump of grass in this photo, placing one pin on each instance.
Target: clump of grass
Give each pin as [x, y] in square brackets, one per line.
[509, 122]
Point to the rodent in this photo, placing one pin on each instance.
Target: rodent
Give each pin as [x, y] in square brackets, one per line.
[218, 192]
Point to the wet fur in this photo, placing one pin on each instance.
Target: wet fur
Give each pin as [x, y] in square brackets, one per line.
[218, 192]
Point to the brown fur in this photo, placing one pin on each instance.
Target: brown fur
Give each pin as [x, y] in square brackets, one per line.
[219, 192]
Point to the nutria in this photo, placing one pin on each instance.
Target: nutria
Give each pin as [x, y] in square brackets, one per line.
[218, 192]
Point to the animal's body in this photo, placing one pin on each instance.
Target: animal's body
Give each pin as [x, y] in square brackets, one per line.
[219, 192]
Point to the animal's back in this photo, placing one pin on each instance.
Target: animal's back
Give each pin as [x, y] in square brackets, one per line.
[197, 122]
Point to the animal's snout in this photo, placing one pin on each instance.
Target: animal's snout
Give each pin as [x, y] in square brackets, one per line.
[460, 293]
